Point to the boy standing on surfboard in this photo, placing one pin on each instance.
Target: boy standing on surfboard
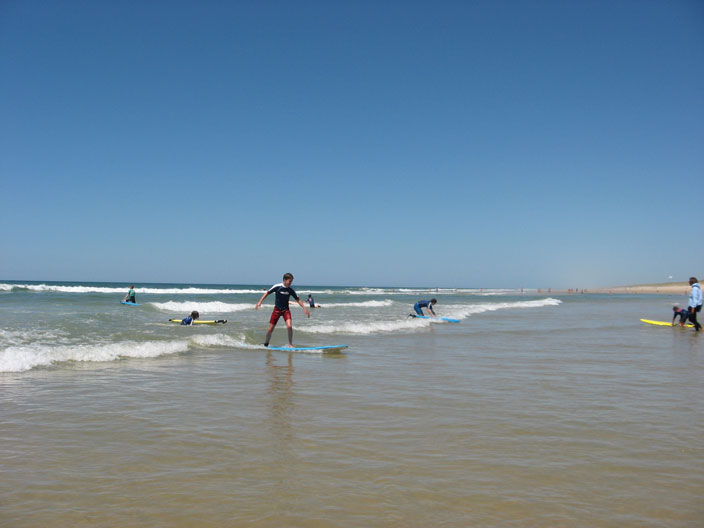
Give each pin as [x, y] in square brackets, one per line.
[283, 292]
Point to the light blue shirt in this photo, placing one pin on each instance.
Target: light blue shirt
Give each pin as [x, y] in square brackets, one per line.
[695, 298]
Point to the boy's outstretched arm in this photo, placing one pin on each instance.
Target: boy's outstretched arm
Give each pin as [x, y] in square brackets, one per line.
[266, 294]
[300, 303]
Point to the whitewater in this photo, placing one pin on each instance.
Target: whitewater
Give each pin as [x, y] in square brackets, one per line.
[47, 325]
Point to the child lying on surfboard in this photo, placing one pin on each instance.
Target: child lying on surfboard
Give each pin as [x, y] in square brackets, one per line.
[189, 320]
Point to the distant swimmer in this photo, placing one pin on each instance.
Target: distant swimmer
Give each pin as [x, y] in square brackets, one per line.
[425, 304]
[311, 302]
[681, 313]
[130, 296]
[695, 302]
[283, 293]
[188, 321]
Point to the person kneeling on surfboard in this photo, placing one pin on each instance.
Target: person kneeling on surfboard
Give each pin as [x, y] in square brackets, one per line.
[130, 296]
[425, 304]
[283, 292]
[683, 314]
[189, 320]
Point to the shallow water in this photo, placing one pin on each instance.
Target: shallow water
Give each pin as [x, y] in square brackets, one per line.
[533, 411]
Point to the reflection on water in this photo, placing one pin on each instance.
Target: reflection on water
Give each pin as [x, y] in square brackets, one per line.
[281, 396]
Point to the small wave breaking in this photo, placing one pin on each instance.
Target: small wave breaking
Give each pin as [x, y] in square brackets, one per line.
[26, 356]
[363, 304]
[204, 307]
[364, 328]
[464, 311]
[201, 290]
[110, 289]
[453, 311]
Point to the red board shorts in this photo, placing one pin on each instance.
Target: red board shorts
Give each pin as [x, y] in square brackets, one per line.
[278, 313]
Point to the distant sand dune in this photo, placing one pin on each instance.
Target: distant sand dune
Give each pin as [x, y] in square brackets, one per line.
[665, 288]
[677, 288]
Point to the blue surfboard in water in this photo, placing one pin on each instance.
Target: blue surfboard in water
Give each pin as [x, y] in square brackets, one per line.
[129, 303]
[297, 349]
[446, 319]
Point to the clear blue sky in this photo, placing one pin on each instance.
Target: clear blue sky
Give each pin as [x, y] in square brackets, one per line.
[435, 143]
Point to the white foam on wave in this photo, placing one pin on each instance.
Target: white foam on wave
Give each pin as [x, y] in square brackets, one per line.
[204, 307]
[227, 341]
[364, 304]
[394, 291]
[22, 337]
[23, 357]
[26, 357]
[363, 328]
[223, 340]
[406, 323]
[464, 311]
[123, 290]
[232, 291]
[429, 292]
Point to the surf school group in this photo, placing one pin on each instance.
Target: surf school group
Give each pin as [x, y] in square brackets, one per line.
[283, 293]
[694, 306]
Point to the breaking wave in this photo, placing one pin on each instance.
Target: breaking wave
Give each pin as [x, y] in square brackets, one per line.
[22, 356]
[122, 289]
[363, 304]
[406, 323]
[204, 307]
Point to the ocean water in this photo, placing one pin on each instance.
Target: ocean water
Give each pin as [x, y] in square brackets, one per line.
[534, 410]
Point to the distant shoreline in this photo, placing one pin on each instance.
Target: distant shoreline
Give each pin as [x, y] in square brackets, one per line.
[666, 288]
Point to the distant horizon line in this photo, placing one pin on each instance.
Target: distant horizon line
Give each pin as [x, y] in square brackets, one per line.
[137, 283]
[264, 284]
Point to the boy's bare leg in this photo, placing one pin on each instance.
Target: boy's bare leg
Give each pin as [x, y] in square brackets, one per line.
[289, 327]
[268, 334]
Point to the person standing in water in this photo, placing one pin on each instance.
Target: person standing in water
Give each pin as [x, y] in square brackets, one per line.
[283, 293]
[130, 296]
[695, 302]
[311, 302]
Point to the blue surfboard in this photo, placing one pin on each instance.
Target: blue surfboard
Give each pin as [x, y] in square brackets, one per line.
[446, 319]
[129, 303]
[298, 349]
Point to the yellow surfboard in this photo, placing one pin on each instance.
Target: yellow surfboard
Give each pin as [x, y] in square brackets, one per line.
[663, 323]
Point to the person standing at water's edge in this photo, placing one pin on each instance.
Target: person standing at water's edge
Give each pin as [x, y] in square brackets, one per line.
[283, 293]
[695, 302]
[311, 302]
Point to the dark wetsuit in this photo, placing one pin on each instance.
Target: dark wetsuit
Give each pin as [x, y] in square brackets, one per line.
[683, 315]
[423, 304]
[283, 294]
